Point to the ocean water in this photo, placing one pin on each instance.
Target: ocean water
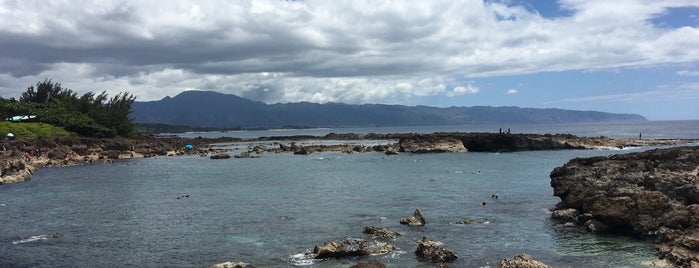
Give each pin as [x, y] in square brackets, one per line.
[192, 211]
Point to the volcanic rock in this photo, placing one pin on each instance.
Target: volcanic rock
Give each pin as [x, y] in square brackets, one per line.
[414, 220]
[434, 251]
[522, 261]
[653, 193]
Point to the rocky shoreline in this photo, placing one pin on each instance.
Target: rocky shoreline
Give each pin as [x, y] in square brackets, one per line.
[20, 158]
[652, 194]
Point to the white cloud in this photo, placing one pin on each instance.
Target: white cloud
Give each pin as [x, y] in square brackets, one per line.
[344, 51]
[688, 73]
[461, 90]
[512, 91]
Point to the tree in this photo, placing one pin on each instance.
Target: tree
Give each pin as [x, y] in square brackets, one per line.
[92, 114]
[46, 92]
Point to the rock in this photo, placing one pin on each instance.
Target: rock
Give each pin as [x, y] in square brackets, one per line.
[566, 215]
[522, 261]
[373, 264]
[229, 264]
[415, 220]
[242, 155]
[678, 255]
[60, 152]
[380, 232]
[653, 193]
[433, 251]
[351, 248]
[431, 144]
[221, 156]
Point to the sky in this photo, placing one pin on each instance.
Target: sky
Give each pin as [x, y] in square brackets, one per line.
[622, 56]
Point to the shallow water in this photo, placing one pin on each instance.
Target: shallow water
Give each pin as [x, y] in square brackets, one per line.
[266, 211]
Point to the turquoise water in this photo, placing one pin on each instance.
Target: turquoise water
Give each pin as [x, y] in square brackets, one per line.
[267, 211]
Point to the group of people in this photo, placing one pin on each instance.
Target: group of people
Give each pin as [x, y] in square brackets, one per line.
[493, 196]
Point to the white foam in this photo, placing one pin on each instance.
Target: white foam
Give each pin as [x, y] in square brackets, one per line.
[301, 259]
[31, 239]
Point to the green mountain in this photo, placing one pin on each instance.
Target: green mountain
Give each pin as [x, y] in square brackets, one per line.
[212, 109]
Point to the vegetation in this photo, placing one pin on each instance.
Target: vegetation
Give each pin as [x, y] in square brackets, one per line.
[33, 130]
[93, 115]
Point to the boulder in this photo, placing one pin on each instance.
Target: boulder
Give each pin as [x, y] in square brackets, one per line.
[351, 248]
[414, 220]
[434, 251]
[522, 261]
[380, 232]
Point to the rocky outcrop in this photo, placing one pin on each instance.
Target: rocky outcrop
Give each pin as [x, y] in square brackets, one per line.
[653, 193]
[434, 251]
[414, 220]
[222, 156]
[430, 144]
[522, 261]
[380, 232]
[351, 248]
[14, 169]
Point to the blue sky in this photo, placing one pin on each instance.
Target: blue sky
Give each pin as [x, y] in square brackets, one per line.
[627, 56]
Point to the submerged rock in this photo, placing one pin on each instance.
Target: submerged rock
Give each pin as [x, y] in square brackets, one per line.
[467, 221]
[434, 251]
[414, 220]
[522, 261]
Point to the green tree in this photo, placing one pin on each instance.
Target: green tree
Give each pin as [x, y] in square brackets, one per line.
[46, 92]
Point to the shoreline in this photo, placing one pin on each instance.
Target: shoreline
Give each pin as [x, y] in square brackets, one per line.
[21, 157]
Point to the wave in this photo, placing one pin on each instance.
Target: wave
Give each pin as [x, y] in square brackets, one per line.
[35, 238]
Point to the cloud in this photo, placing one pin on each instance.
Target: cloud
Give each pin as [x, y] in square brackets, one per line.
[668, 93]
[344, 51]
[687, 73]
[512, 91]
[461, 90]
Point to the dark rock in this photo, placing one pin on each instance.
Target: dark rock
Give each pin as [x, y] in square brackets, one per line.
[434, 251]
[414, 220]
[522, 261]
[380, 232]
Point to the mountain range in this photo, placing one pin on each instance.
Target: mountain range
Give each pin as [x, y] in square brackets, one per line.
[213, 109]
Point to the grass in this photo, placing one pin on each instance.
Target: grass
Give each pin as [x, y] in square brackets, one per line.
[32, 130]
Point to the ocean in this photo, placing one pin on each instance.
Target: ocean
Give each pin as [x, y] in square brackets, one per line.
[192, 211]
